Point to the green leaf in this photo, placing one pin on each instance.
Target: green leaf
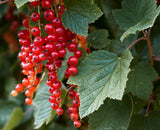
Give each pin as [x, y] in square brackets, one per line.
[98, 39]
[14, 119]
[136, 16]
[102, 74]
[43, 111]
[118, 47]
[150, 122]
[112, 115]
[6, 108]
[78, 14]
[140, 80]
[20, 3]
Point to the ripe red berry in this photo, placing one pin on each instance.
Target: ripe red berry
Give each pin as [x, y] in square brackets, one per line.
[35, 16]
[76, 102]
[77, 124]
[28, 101]
[58, 63]
[52, 99]
[57, 93]
[53, 78]
[26, 22]
[46, 4]
[55, 54]
[72, 70]
[72, 109]
[51, 89]
[58, 100]
[49, 15]
[73, 60]
[52, 38]
[59, 111]
[38, 40]
[35, 3]
[74, 116]
[78, 53]
[35, 31]
[42, 56]
[72, 94]
[59, 31]
[57, 21]
[19, 88]
[54, 105]
[49, 28]
[25, 82]
[62, 53]
[72, 47]
[57, 84]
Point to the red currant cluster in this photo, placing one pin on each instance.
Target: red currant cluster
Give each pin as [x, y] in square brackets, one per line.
[50, 48]
[73, 110]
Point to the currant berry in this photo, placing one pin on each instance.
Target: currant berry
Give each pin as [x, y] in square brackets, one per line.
[72, 109]
[57, 93]
[46, 4]
[72, 47]
[35, 16]
[51, 89]
[55, 54]
[59, 31]
[62, 53]
[76, 102]
[74, 116]
[49, 15]
[53, 78]
[38, 41]
[78, 53]
[59, 111]
[14, 93]
[54, 105]
[58, 100]
[72, 94]
[35, 3]
[72, 70]
[77, 124]
[25, 82]
[57, 84]
[52, 38]
[49, 28]
[26, 22]
[19, 87]
[35, 31]
[73, 61]
[28, 101]
[52, 99]
[57, 21]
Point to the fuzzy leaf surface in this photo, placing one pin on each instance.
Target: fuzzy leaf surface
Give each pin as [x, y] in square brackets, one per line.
[112, 115]
[140, 80]
[98, 39]
[78, 14]
[136, 16]
[102, 74]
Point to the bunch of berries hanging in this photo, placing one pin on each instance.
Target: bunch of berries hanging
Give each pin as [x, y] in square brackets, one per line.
[50, 47]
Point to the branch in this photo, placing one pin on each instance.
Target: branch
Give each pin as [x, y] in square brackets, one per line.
[3, 2]
[142, 38]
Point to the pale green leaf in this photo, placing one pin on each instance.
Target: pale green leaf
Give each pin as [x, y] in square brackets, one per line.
[43, 111]
[136, 15]
[140, 80]
[150, 122]
[102, 74]
[14, 119]
[98, 39]
[112, 115]
[20, 3]
[78, 14]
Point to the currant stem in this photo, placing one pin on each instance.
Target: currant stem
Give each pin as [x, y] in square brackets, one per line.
[150, 50]
[156, 58]
[39, 19]
[42, 78]
[56, 10]
[149, 103]
[3, 2]
[142, 38]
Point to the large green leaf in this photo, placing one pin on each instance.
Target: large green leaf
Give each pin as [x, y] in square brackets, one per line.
[14, 119]
[136, 15]
[112, 115]
[98, 39]
[78, 14]
[6, 108]
[140, 80]
[102, 74]
[20, 3]
[150, 122]
[43, 111]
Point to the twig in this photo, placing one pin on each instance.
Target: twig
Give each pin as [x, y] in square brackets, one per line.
[149, 103]
[39, 22]
[28, 110]
[142, 38]
[3, 2]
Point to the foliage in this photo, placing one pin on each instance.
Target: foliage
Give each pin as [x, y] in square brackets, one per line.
[119, 86]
